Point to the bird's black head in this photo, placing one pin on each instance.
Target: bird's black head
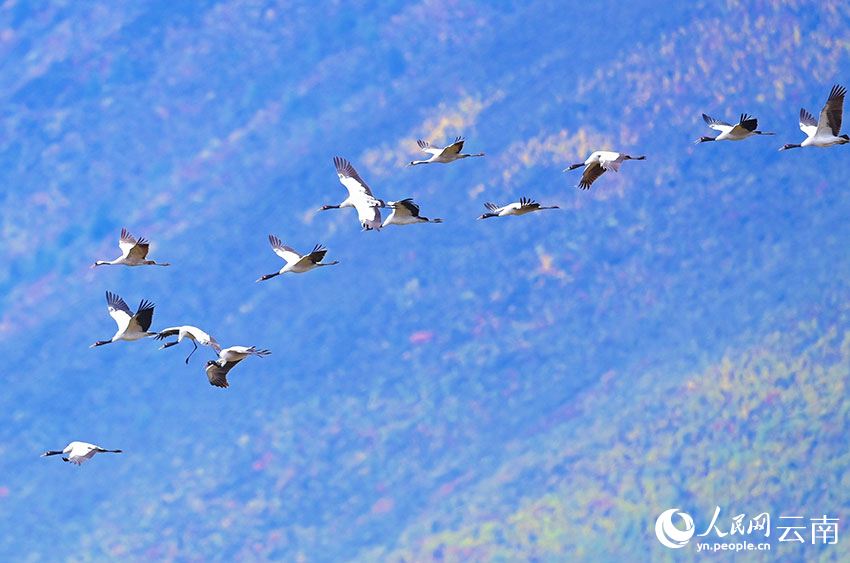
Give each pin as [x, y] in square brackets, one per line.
[703, 139]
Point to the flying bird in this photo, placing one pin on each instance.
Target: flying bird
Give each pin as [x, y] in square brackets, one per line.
[133, 252]
[217, 370]
[521, 207]
[445, 154]
[78, 452]
[193, 333]
[406, 212]
[746, 127]
[597, 163]
[131, 326]
[359, 196]
[824, 131]
[297, 263]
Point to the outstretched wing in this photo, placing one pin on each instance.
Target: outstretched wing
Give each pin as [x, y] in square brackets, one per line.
[349, 178]
[454, 148]
[492, 206]
[118, 310]
[217, 374]
[716, 124]
[131, 247]
[317, 254]
[286, 252]
[808, 124]
[830, 115]
[425, 146]
[748, 123]
[591, 172]
[405, 207]
[528, 202]
[144, 315]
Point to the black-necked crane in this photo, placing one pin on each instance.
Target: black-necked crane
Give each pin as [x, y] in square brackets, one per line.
[442, 154]
[745, 128]
[406, 212]
[597, 163]
[824, 131]
[193, 333]
[295, 262]
[217, 370]
[521, 207]
[131, 326]
[133, 253]
[78, 452]
[359, 196]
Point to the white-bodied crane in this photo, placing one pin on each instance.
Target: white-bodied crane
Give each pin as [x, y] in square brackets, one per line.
[295, 262]
[442, 154]
[78, 452]
[598, 163]
[193, 333]
[824, 131]
[133, 253]
[406, 212]
[521, 207]
[217, 370]
[359, 196]
[131, 326]
[744, 129]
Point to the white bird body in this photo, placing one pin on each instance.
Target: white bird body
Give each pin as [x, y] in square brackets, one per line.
[406, 212]
[297, 263]
[131, 326]
[824, 131]
[217, 370]
[521, 207]
[193, 333]
[133, 253]
[598, 163]
[359, 196]
[744, 129]
[443, 155]
[78, 452]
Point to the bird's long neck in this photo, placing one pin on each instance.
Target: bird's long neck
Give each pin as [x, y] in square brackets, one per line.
[268, 276]
[415, 162]
[488, 215]
[102, 263]
[101, 450]
[763, 133]
[52, 452]
[101, 343]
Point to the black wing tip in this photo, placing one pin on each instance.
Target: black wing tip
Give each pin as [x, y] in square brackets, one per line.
[341, 163]
[422, 144]
[145, 305]
[491, 206]
[274, 241]
[709, 120]
[838, 91]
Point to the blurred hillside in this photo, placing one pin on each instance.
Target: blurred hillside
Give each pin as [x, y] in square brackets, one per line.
[445, 386]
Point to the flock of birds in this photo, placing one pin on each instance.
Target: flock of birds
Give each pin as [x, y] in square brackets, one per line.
[823, 132]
